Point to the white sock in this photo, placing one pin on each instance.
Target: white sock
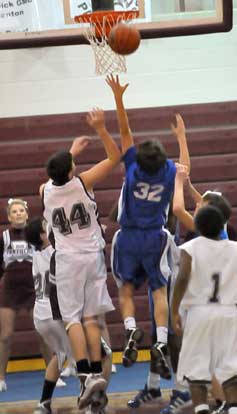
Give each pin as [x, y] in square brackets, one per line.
[129, 323]
[201, 407]
[162, 334]
[153, 380]
[232, 410]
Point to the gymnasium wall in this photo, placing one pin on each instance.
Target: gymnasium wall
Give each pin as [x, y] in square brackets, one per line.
[163, 72]
[27, 142]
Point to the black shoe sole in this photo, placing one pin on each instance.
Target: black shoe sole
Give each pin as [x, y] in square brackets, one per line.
[129, 357]
[130, 352]
[138, 336]
[161, 365]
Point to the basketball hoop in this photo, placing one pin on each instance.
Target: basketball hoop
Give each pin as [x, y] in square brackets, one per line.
[97, 31]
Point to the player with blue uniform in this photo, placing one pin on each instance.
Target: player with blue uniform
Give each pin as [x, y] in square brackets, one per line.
[140, 248]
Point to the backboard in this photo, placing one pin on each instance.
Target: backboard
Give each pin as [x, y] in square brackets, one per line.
[34, 23]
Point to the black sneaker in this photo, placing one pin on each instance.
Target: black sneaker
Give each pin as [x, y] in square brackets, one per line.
[90, 384]
[221, 409]
[145, 396]
[98, 402]
[159, 352]
[133, 337]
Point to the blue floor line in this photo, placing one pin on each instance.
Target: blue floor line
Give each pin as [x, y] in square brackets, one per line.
[28, 385]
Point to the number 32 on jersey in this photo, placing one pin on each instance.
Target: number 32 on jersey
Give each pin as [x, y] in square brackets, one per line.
[148, 192]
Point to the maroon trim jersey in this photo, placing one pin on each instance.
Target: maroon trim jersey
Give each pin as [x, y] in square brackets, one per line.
[17, 287]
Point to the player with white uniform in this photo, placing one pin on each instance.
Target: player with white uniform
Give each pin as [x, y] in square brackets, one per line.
[70, 209]
[206, 288]
[52, 331]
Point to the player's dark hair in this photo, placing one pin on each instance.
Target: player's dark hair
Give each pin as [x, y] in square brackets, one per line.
[32, 231]
[151, 156]
[59, 166]
[219, 201]
[209, 221]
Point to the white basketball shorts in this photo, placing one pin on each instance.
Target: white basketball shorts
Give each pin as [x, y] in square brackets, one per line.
[209, 344]
[81, 285]
[54, 334]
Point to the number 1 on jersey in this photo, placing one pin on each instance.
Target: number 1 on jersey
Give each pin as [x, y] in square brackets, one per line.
[215, 296]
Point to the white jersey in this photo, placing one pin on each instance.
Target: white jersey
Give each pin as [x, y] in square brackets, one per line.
[40, 269]
[213, 272]
[72, 213]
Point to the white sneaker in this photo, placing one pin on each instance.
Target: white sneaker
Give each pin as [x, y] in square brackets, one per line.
[60, 383]
[89, 385]
[113, 369]
[43, 408]
[68, 372]
[3, 386]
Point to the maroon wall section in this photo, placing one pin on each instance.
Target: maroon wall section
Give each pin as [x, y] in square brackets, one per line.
[27, 142]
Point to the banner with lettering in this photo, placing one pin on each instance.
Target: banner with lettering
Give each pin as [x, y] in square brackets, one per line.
[39, 15]
[30, 15]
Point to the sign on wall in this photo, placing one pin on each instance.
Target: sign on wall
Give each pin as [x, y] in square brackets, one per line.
[30, 15]
[38, 15]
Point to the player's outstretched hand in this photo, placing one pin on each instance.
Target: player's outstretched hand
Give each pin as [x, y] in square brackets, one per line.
[181, 172]
[96, 119]
[79, 144]
[177, 323]
[179, 129]
[117, 88]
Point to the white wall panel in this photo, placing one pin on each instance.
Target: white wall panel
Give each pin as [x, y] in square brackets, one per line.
[163, 72]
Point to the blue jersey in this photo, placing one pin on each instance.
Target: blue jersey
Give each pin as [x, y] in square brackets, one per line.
[224, 235]
[145, 198]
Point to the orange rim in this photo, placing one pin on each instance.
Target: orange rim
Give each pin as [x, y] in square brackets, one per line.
[103, 21]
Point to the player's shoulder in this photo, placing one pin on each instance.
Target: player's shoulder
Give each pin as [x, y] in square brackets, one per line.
[170, 168]
[170, 163]
[190, 245]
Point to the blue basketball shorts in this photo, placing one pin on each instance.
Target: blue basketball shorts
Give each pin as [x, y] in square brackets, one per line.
[139, 255]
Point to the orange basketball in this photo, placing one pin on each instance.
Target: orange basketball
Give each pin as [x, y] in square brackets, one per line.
[124, 39]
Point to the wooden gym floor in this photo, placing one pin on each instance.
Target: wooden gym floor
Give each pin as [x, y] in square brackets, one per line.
[117, 404]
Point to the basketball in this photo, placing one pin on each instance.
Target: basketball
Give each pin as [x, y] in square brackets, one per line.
[124, 39]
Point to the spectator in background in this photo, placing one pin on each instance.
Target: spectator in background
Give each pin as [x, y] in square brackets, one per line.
[17, 287]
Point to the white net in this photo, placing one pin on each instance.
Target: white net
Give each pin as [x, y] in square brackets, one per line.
[106, 60]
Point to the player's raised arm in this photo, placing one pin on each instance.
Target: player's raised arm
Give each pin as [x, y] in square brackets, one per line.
[100, 171]
[179, 132]
[195, 195]
[180, 288]
[79, 144]
[179, 209]
[118, 91]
